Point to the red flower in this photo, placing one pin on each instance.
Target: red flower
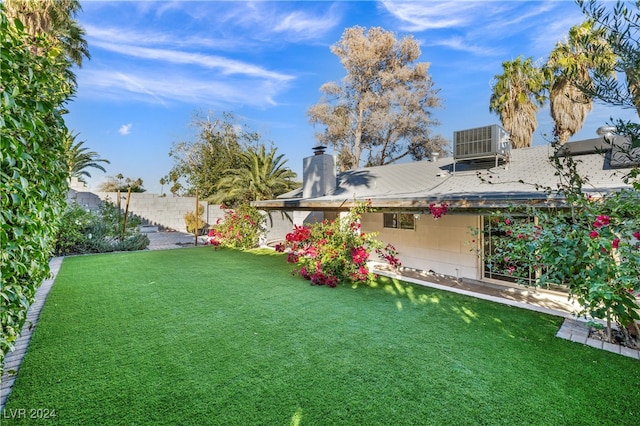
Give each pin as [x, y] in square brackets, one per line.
[438, 211]
[280, 248]
[637, 235]
[601, 221]
[593, 234]
[292, 258]
[615, 243]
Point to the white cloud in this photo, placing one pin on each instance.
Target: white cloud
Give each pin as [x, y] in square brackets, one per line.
[421, 16]
[125, 129]
[306, 26]
[97, 35]
[160, 87]
[225, 65]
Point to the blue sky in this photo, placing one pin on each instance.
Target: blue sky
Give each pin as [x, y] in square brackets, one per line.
[156, 63]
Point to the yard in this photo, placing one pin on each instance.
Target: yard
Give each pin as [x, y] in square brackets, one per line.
[202, 336]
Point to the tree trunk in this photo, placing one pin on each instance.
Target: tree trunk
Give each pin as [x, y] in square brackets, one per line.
[357, 145]
[634, 87]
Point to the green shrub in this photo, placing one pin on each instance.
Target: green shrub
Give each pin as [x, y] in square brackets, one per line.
[33, 173]
[83, 231]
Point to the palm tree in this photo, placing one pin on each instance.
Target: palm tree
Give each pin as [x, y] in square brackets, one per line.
[517, 94]
[79, 158]
[261, 176]
[55, 20]
[569, 65]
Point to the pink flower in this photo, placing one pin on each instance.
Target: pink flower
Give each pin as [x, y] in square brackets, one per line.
[637, 235]
[311, 252]
[359, 255]
[593, 234]
[615, 243]
[507, 222]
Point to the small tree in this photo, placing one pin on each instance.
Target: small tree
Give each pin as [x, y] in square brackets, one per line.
[201, 163]
[383, 107]
[190, 221]
[241, 228]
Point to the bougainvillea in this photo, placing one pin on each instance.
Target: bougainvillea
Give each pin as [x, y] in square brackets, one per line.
[335, 251]
[592, 247]
[438, 210]
[239, 228]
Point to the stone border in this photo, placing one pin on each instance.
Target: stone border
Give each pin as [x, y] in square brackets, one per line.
[578, 331]
[13, 359]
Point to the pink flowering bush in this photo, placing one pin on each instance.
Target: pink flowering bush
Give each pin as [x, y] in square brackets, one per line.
[240, 228]
[335, 251]
[592, 248]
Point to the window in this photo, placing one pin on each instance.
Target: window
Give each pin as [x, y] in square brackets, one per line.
[399, 220]
[499, 261]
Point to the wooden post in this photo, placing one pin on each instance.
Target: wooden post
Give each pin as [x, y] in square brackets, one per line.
[126, 211]
[197, 214]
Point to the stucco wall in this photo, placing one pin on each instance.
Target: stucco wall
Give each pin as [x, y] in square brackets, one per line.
[168, 212]
[443, 245]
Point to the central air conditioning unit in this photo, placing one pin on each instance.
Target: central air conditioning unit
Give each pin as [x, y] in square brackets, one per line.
[488, 142]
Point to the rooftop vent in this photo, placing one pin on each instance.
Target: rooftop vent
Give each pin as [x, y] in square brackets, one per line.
[488, 142]
[624, 153]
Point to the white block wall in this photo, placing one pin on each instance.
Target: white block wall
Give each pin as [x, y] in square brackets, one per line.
[445, 246]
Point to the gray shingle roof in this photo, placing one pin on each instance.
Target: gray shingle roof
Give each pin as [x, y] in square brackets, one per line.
[474, 184]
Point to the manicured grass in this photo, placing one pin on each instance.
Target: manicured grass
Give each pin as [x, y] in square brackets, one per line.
[197, 336]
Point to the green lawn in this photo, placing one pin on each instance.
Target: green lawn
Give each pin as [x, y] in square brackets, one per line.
[204, 337]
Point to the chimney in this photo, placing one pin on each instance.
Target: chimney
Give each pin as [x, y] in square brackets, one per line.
[434, 156]
[318, 174]
[319, 150]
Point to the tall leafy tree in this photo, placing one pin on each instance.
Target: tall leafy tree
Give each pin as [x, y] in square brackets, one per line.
[201, 163]
[516, 95]
[79, 158]
[569, 65]
[55, 20]
[262, 175]
[621, 24]
[382, 109]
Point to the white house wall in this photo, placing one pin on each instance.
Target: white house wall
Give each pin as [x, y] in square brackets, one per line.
[443, 245]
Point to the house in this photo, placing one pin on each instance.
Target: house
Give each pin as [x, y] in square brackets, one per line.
[482, 176]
